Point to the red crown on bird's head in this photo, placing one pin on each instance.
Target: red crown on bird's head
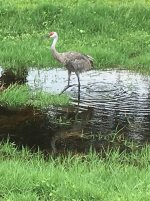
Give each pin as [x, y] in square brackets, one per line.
[51, 33]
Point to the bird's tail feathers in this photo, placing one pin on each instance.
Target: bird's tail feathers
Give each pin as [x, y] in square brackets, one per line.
[91, 59]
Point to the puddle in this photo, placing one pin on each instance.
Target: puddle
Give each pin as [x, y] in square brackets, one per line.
[111, 101]
[120, 99]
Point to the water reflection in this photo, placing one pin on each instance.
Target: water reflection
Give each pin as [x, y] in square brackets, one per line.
[120, 99]
[112, 100]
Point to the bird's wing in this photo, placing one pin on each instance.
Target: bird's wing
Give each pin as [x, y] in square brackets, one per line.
[80, 64]
[75, 61]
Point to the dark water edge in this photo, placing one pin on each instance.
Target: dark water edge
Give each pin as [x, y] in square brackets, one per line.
[112, 101]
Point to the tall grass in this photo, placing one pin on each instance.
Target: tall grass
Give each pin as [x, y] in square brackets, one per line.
[115, 33]
[25, 176]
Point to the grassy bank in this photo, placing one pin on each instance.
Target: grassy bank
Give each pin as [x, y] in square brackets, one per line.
[25, 176]
[18, 96]
[115, 33]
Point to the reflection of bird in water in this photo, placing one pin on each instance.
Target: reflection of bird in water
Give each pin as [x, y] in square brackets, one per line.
[73, 61]
[74, 130]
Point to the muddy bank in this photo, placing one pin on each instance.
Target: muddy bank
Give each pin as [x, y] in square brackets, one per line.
[24, 126]
[37, 128]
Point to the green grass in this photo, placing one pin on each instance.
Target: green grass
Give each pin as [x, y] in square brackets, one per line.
[115, 32]
[25, 176]
[17, 96]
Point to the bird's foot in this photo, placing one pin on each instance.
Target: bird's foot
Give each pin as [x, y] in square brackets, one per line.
[68, 86]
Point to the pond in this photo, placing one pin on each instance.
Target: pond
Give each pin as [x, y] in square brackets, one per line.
[119, 99]
[112, 101]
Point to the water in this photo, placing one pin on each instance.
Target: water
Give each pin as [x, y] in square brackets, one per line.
[120, 99]
[111, 101]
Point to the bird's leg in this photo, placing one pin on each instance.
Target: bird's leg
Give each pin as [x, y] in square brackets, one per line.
[69, 74]
[77, 74]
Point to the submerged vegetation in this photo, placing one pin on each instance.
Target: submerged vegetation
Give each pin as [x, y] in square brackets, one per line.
[28, 176]
[115, 33]
[17, 96]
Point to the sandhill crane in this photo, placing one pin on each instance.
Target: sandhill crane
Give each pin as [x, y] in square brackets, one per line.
[73, 61]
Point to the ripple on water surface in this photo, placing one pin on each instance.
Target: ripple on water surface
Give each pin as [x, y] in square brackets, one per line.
[119, 99]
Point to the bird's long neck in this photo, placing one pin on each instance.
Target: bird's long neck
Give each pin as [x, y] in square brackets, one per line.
[55, 54]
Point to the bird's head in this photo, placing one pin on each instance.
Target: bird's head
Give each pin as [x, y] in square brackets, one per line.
[53, 35]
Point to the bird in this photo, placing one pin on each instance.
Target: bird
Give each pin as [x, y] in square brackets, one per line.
[73, 61]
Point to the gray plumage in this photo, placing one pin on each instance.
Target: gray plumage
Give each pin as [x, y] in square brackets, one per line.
[73, 61]
[76, 62]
